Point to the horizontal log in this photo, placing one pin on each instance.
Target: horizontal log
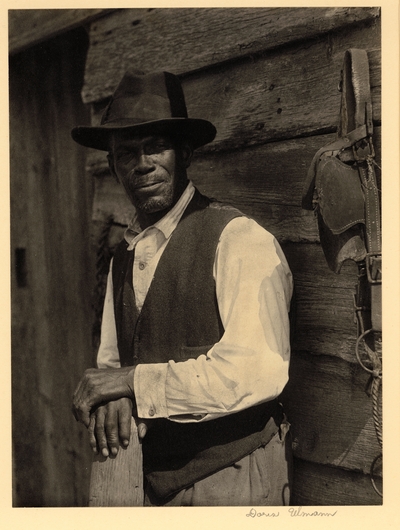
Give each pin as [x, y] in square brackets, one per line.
[286, 94]
[265, 182]
[282, 96]
[272, 173]
[185, 40]
[324, 316]
[285, 222]
[330, 413]
[28, 27]
[318, 485]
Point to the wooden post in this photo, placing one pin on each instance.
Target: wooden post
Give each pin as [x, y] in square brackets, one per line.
[118, 481]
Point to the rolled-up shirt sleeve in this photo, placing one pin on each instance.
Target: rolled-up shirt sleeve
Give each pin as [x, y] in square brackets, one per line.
[250, 364]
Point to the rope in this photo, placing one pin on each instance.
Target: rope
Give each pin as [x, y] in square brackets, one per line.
[376, 375]
[376, 409]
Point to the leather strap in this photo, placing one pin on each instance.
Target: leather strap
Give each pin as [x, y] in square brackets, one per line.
[334, 147]
[356, 107]
[356, 112]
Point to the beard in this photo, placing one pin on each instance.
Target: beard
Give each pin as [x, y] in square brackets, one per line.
[163, 199]
[154, 204]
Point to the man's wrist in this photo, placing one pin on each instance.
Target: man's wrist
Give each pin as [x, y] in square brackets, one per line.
[129, 377]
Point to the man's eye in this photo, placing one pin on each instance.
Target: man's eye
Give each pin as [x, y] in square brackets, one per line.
[157, 147]
[125, 159]
[124, 154]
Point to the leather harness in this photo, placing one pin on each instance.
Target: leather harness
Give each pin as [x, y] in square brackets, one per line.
[342, 189]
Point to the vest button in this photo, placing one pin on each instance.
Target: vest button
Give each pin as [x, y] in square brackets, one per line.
[142, 265]
[151, 411]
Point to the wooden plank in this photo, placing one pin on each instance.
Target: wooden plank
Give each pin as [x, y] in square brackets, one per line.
[276, 97]
[184, 40]
[118, 481]
[324, 323]
[271, 173]
[51, 326]
[285, 222]
[317, 485]
[288, 93]
[264, 182]
[27, 27]
[330, 413]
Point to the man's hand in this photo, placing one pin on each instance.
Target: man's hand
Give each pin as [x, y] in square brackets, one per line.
[99, 387]
[110, 424]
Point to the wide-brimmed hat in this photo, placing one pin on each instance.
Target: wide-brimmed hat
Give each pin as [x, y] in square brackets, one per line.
[146, 104]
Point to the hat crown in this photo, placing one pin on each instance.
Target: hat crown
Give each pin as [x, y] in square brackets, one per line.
[146, 104]
[140, 98]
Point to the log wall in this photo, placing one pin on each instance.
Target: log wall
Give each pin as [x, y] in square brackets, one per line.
[268, 79]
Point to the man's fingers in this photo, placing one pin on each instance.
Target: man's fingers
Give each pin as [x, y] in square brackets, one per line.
[143, 426]
[85, 397]
[99, 431]
[125, 420]
[92, 437]
[109, 425]
[142, 430]
[82, 415]
[101, 386]
[111, 428]
[80, 408]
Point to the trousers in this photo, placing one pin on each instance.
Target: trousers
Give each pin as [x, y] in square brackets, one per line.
[262, 478]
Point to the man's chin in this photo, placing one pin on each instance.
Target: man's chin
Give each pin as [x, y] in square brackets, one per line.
[153, 205]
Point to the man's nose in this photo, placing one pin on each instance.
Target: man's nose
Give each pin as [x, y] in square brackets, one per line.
[144, 164]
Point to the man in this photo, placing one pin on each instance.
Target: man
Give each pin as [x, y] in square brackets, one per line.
[195, 331]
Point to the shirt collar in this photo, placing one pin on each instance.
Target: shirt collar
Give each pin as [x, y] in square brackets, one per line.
[166, 224]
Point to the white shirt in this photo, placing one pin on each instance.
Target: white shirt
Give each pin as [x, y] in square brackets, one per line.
[250, 364]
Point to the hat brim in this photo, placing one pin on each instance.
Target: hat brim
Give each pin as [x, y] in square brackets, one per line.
[197, 131]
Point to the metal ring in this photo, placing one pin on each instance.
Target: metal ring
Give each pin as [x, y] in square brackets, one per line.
[372, 475]
[359, 339]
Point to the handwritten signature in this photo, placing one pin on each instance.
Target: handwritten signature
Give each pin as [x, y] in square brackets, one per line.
[254, 513]
[293, 512]
[298, 512]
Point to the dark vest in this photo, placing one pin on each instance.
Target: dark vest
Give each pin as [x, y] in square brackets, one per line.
[180, 321]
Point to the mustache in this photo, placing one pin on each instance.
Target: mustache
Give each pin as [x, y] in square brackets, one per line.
[140, 181]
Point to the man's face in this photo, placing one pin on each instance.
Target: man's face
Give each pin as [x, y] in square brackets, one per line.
[151, 170]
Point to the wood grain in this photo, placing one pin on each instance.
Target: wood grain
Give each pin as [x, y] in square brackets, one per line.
[256, 101]
[285, 222]
[51, 315]
[330, 412]
[271, 110]
[265, 182]
[267, 78]
[185, 40]
[318, 485]
[118, 481]
[28, 27]
[324, 323]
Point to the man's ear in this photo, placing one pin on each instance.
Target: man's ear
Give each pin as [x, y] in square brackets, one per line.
[110, 159]
[187, 153]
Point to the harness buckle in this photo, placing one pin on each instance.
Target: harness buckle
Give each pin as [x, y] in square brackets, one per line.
[364, 150]
[373, 261]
